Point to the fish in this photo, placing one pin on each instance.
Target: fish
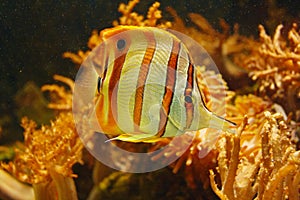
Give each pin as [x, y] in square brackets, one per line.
[147, 88]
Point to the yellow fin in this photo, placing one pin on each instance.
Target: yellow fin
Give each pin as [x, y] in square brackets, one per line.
[137, 138]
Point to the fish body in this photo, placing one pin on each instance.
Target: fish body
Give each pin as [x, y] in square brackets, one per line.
[147, 86]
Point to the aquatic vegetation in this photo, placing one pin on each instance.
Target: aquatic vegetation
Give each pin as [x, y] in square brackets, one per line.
[49, 152]
[61, 99]
[132, 18]
[272, 173]
[275, 67]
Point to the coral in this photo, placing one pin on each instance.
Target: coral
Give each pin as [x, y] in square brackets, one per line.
[276, 67]
[201, 156]
[272, 173]
[61, 99]
[49, 152]
[133, 18]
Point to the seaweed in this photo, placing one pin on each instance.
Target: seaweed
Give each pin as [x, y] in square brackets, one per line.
[46, 158]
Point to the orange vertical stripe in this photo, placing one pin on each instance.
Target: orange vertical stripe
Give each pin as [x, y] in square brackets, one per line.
[111, 126]
[143, 73]
[114, 85]
[169, 88]
[189, 106]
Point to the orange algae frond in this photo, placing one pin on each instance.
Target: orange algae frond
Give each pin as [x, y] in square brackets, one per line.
[132, 18]
[196, 166]
[273, 173]
[281, 64]
[55, 147]
[49, 152]
[61, 99]
[276, 67]
[78, 58]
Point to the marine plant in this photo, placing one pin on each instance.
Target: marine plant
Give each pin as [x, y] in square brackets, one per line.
[46, 158]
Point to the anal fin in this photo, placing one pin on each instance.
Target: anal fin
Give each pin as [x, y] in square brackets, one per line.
[146, 138]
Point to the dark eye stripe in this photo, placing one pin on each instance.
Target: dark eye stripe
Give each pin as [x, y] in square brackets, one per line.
[99, 84]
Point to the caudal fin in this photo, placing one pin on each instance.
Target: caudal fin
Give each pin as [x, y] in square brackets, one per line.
[220, 123]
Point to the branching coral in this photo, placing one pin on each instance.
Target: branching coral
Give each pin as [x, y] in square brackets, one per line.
[48, 154]
[276, 67]
[201, 155]
[61, 99]
[78, 58]
[132, 18]
[273, 173]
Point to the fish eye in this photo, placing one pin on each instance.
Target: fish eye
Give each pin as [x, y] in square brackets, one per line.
[188, 99]
[99, 84]
[121, 44]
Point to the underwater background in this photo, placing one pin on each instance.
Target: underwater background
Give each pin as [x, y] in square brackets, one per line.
[34, 35]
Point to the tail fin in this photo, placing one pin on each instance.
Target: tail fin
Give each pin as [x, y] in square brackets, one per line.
[220, 123]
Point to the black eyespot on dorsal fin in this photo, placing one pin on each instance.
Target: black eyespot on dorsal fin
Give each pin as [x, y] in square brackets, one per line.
[121, 43]
[188, 99]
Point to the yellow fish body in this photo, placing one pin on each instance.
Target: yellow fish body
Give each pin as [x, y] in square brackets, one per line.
[147, 86]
